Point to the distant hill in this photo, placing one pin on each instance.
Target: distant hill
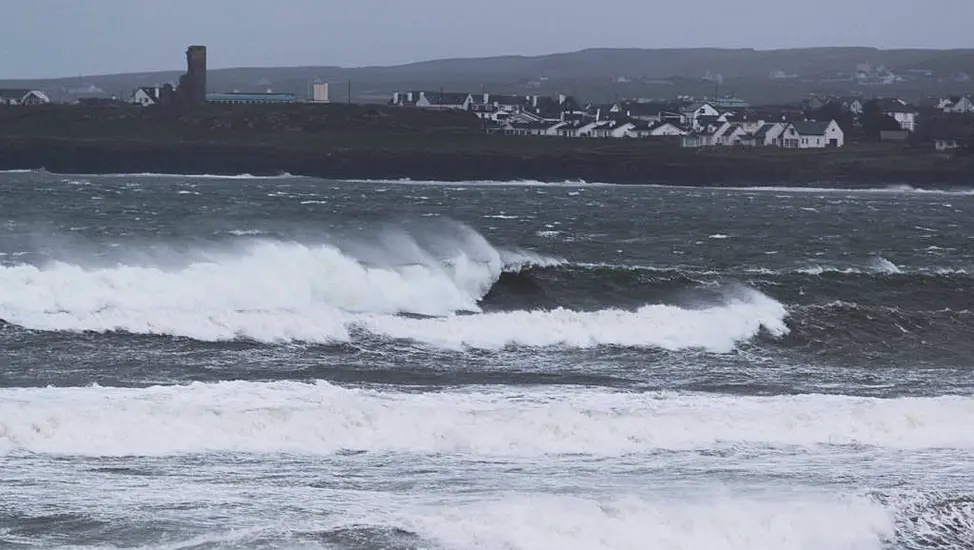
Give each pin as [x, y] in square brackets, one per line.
[593, 74]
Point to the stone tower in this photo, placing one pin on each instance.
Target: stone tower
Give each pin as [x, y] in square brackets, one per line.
[196, 74]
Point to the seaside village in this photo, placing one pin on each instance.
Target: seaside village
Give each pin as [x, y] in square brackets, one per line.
[817, 123]
[722, 122]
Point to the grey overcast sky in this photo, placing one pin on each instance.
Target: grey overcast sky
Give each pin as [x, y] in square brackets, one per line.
[49, 38]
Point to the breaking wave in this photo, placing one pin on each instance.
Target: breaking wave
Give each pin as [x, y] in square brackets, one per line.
[424, 287]
[321, 418]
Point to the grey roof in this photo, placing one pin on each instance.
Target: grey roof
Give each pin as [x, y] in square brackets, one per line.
[762, 132]
[446, 98]
[811, 127]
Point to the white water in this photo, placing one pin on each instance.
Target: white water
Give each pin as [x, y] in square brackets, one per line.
[274, 291]
[544, 522]
[321, 419]
[716, 329]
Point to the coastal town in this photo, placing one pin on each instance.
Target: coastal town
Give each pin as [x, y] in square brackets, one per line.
[814, 122]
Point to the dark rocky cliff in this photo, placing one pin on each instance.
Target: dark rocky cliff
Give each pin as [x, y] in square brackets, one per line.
[375, 142]
[86, 157]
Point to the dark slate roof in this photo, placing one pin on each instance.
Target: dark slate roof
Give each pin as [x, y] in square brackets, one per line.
[446, 98]
[501, 99]
[762, 132]
[548, 107]
[811, 127]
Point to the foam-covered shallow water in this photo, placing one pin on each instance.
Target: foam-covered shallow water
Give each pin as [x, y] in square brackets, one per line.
[203, 362]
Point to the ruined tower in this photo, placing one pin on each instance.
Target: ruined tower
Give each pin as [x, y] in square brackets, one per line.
[196, 74]
[192, 85]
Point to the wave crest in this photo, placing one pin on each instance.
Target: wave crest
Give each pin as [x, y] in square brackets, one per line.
[274, 291]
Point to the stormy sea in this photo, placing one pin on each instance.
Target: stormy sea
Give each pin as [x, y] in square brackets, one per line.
[194, 362]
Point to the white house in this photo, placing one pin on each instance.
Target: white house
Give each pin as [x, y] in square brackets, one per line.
[145, 96]
[661, 129]
[433, 100]
[703, 138]
[961, 105]
[23, 97]
[612, 128]
[730, 134]
[810, 134]
[901, 111]
[519, 128]
[691, 114]
[768, 134]
[444, 100]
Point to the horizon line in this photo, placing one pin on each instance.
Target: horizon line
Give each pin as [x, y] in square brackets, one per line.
[473, 58]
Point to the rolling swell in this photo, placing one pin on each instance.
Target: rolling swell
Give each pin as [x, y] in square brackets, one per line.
[831, 311]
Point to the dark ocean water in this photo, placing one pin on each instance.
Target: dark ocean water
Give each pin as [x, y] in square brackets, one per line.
[197, 362]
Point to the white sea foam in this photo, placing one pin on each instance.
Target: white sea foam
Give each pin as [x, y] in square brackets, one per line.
[195, 176]
[269, 291]
[485, 183]
[878, 265]
[529, 522]
[320, 418]
[273, 291]
[717, 328]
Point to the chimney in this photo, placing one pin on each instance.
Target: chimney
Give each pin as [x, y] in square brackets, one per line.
[561, 99]
[486, 98]
[409, 97]
[395, 98]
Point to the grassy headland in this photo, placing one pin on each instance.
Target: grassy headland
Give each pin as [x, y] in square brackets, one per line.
[378, 142]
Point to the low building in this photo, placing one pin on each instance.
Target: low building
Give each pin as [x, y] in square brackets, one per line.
[810, 134]
[457, 101]
[23, 97]
[697, 114]
[246, 98]
[145, 96]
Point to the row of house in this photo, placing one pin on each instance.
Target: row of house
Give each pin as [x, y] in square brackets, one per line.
[690, 123]
[805, 134]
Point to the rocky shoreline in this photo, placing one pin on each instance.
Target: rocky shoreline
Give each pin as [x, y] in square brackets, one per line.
[88, 157]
